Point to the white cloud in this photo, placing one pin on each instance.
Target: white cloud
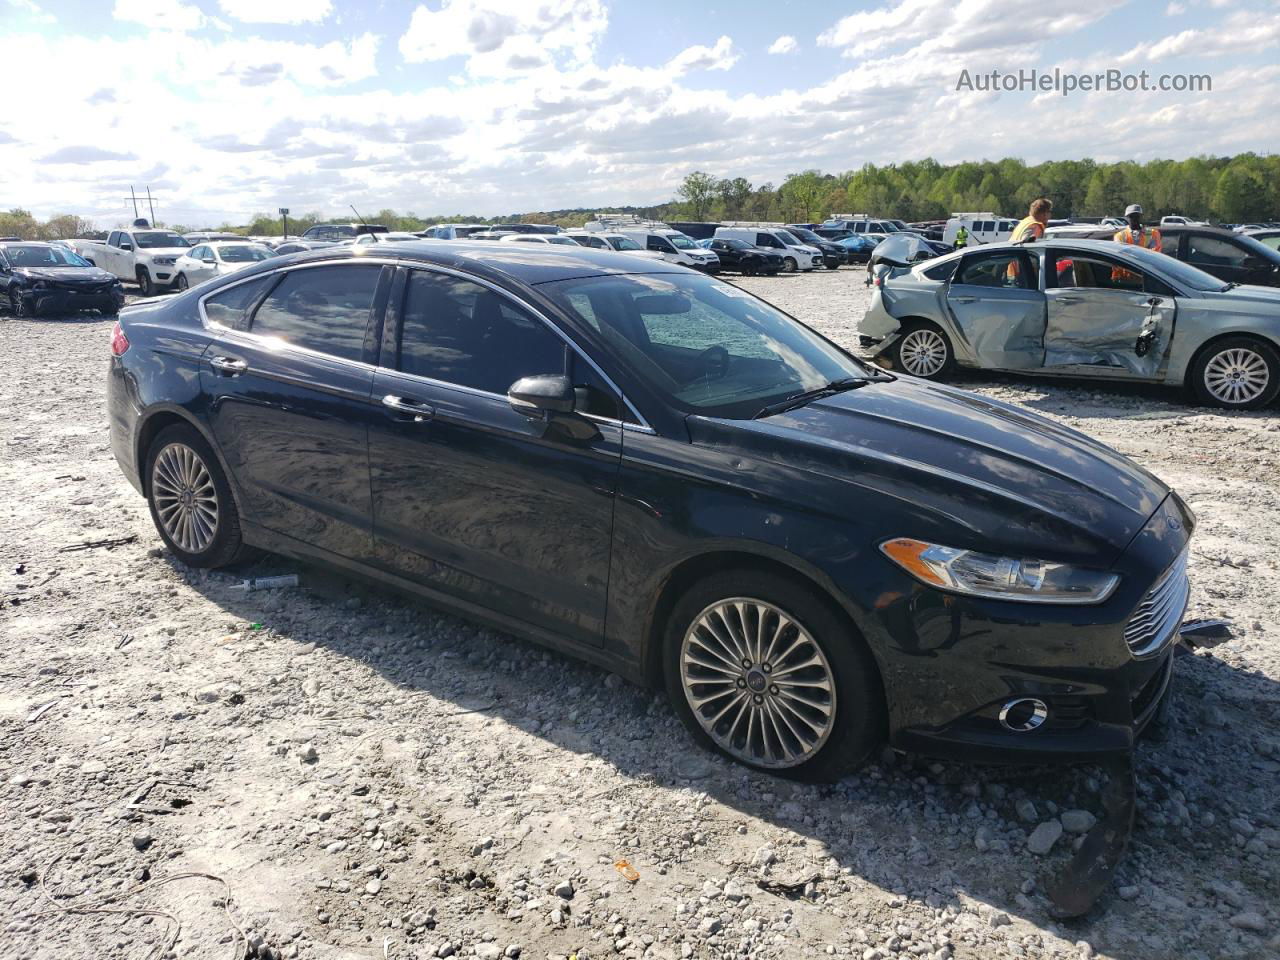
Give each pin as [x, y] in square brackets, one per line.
[1240, 33]
[700, 57]
[160, 14]
[784, 44]
[1175, 9]
[507, 32]
[277, 11]
[30, 9]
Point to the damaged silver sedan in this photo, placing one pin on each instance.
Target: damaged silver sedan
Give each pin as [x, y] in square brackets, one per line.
[1078, 308]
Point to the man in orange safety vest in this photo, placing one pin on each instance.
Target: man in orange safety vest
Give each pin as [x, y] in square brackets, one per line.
[1134, 232]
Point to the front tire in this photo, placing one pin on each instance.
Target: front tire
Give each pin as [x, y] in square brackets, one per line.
[181, 282]
[1236, 373]
[922, 350]
[760, 668]
[18, 306]
[789, 265]
[190, 500]
[146, 286]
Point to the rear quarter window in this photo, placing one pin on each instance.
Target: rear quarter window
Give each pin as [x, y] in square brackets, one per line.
[230, 308]
[325, 309]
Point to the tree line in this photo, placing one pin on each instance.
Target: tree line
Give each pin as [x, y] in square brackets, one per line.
[1237, 189]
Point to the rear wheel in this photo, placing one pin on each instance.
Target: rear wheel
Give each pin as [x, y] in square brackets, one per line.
[190, 500]
[760, 668]
[145, 284]
[1236, 373]
[922, 350]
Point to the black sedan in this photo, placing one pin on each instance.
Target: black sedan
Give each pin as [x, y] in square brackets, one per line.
[1233, 257]
[743, 257]
[40, 278]
[655, 471]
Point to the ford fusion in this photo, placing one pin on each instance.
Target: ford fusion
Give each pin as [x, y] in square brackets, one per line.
[39, 278]
[657, 472]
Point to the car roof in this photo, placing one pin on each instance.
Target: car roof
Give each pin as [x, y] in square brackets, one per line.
[528, 263]
[1108, 247]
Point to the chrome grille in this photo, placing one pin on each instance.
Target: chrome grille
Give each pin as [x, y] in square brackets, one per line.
[1160, 612]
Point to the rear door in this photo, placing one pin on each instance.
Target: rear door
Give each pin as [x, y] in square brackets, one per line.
[288, 383]
[471, 498]
[1105, 318]
[995, 302]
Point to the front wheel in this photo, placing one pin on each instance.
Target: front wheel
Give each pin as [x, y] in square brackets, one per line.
[922, 350]
[18, 307]
[760, 668]
[831, 266]
[789, 265]
[182, 281]
[190, 500]
[1236, 373]
[146, 286]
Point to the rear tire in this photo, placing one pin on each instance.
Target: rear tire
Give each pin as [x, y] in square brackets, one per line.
[1235, 373]
[190, 500]
[923, 351]
[748, 713]
[146, 286]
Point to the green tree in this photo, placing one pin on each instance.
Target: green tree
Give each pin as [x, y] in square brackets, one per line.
[698, 191]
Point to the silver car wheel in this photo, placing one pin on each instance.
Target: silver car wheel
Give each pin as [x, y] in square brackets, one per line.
[185, 498]
[1236, 376]
[923, 352]
[758, 683]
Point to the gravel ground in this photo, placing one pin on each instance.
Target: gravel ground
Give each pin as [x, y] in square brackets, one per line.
[342, 773]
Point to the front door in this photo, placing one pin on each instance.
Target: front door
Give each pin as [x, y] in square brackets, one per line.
[1228, 258]
[994, 301]
[1105, 318]
[287, 385]
[471, 498]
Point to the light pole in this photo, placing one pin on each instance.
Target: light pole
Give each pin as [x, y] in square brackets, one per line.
[284, 213]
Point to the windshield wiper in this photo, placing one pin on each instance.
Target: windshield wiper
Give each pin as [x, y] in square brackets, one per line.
[1230, 286]
[808, 396]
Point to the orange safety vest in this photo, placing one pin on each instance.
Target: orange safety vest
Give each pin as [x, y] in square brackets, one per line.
[1143, 238]
[1026, 228]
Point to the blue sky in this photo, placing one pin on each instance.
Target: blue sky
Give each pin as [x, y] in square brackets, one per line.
[227, 107]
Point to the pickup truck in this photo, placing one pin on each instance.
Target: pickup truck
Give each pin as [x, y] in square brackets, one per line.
[144, 256]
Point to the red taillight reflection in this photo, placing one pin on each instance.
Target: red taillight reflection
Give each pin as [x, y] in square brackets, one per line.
[119, 342]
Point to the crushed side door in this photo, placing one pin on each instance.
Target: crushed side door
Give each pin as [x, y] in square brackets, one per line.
[997, 310]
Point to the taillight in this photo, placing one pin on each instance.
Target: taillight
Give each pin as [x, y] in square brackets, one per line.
[119, 342]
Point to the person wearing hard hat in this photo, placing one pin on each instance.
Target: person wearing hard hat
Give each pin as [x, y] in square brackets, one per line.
[962, 238]
[1134, 232]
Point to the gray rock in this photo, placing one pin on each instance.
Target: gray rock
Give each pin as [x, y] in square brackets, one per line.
[1128, 892]
[93, 766]
[1249, 920]
[1044, 837]
[373, 886]
[563, 890]
[1077, 821]
[1027, 811]
[488, 951]
[711, 925]
[142, 839]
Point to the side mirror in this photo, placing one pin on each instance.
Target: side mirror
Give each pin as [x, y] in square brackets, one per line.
[126, 246]
[540, 396]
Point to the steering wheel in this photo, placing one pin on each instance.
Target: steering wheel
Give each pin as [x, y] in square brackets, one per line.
[712, 363]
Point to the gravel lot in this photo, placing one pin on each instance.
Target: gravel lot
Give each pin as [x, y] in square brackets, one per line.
[342, 773]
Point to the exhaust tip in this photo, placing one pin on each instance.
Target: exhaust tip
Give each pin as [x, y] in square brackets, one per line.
[1023, 714]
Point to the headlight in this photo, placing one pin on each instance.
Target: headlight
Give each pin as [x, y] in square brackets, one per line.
[1000, 578]
[165, 261]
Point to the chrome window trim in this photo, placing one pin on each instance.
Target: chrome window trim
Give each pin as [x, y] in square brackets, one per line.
[641, 425]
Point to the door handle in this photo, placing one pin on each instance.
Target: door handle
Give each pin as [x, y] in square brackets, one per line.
[421, 412]
[964, 299]
[1155, 301]
[228, 365]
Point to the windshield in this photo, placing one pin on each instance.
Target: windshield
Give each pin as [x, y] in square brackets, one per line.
[808, 236]
[1259, 249]
[1180, 272]
[569, 240]
[681, 242]
[35, 255]
[705, 346]
[625, 243]
[244, 253]
[737, 244]
[158, 239]
[886, 227]
[787, 238]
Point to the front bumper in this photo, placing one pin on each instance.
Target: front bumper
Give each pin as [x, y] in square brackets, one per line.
[109, 297]
[953, 662]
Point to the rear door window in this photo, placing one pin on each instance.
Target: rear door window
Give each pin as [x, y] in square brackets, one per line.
[1214, 251]
[231, 307]
[993, 270]
[325, 309]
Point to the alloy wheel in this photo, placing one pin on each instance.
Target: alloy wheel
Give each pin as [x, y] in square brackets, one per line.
[185, 498]
[17, 305]
[182, 281]
[1236, 376]
[758, 683]
[923, 352]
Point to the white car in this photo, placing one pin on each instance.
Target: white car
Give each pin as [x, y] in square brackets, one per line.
[557, 238]
[612, 241]
[209, 260]
[397, 236]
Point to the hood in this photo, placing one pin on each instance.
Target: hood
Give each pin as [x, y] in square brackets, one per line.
[966, 471]
[161, 252]
[65, 274]
[1247, 293]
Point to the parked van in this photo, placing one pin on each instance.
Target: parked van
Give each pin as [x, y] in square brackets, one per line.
[453, 231]
[859, 224]
[776, 239]
[983, 228]
[674, 246]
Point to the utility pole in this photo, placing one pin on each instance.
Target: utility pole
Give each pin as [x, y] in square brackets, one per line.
[134, 197]
[284, 212]
[151, 206]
